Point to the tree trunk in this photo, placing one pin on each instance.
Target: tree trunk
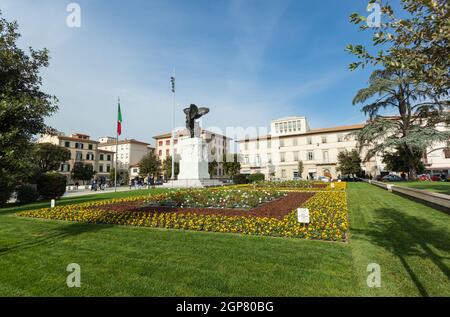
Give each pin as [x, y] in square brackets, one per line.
[412, 174]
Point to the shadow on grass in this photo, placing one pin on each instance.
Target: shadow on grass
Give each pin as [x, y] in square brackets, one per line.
[50, 237]
[405, 236]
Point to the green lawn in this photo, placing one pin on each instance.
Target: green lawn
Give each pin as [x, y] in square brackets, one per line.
[438, 187]
[411, 242]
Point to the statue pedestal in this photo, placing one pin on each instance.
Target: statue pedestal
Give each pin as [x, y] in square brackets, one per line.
[193, 165]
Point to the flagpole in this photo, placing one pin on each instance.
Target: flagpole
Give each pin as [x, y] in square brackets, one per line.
[117, 152]
[173, 127]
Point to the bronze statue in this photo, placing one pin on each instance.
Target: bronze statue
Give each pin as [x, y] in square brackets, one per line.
[193, 113]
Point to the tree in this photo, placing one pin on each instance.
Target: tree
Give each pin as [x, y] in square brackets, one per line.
[167, 168]
[49, 156]
[398, 161]
[232, 167]
[83, 172]
[300, 168]
[150, 165]
[122, 176]
[417, 42]
[23, 105]
[349, 163]
[412, 80]
[212, 168]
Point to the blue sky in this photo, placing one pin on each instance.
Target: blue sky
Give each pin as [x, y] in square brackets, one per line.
[250, 61]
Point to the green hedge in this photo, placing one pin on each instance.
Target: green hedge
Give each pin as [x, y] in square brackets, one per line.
[257, 177]
[27, 194]
[51, 185]
[240, 179]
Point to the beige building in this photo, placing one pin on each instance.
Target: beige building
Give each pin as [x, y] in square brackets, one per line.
[218, 145]
[291, 140]
[84, 150]
[129, 154]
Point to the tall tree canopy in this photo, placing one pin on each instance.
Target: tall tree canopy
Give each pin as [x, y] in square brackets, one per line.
[412, 80]
[349, 163]
[150, 165]
[23, 105]
[49, 156]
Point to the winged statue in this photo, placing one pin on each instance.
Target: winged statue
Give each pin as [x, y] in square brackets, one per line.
[193, 113]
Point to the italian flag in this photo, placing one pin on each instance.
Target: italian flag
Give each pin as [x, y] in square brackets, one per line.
[119, 119]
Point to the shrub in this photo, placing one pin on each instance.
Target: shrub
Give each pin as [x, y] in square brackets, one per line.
[6, 189]
[27, 194]
[240, 179]
[51, 185]
[257, 177]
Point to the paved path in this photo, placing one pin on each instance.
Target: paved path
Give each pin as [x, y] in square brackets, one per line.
[84, 192]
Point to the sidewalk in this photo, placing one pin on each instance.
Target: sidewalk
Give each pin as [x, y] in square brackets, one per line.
[84, 192]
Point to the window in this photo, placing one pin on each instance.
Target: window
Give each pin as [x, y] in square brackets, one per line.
[294, 124]
[277, 127]
[100, 168]
[281, 143]
[257, 144]
[90, 146]
[295, 142]
[324, 139]
[309, 140]
[175, 141]
[65, 167]
[135, 170]
[290, 126]
[79, 145]
[299, 126]
[325, 156]
[67, 144]
[78, 156]
[340, 138]
[269, 144]
[282, 157]
[102, 157]
[285, 127]
[160, 153]
[283, 173]
[160, 143]
[108, 168]
[269, 158]
[310, 156]
[246, 159]
[296, 156]
[90, 156]
[167, 142]
[246, 145]
[258, 160]
[108, 157]
[167, 152]
[295, 174]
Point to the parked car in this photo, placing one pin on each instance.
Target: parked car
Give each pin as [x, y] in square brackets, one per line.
[297, 178]
[392, 178]
[323, 179]
[423, 177]
[438, 177]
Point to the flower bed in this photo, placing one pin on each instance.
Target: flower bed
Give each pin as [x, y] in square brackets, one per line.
[227, 198]
[295, 185]
[328, 214]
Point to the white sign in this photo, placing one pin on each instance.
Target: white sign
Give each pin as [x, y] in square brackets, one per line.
[52, 203]
[332, 185]
[389, 187]
[303, 215]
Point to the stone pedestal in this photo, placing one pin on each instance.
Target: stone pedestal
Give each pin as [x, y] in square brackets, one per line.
[193, 165]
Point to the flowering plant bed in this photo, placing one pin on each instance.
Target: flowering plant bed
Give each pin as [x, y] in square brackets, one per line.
[243, 199]
[275, 217]
[295, 185]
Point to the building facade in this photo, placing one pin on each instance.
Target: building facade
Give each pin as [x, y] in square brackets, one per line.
[129, 154]
[218, 146]
[291, 140]
[84, 150]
